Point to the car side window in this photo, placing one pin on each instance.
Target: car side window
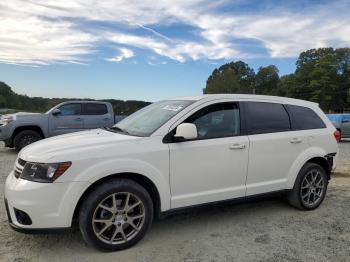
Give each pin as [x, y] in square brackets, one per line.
[94, 109]
[70, 109]
[304, 118]
[216, 121]
[263, 117]
[346, 118]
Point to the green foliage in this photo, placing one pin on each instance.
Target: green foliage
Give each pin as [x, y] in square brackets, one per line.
[235, 77]
[9, 99]
[267, 80]
[322, 75]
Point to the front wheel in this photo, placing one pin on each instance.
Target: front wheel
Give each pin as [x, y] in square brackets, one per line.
[116, 215]
[24, 138]
[310, 187]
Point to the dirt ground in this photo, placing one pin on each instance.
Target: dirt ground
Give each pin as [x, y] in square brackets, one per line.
[264, 230]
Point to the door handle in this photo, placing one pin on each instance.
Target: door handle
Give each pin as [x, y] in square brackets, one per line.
[106, 119]
[78, 119]
[237, 146]
[296, 140]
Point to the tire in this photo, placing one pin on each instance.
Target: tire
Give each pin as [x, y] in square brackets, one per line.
[99, 223]
[25, 138]
[306, 193]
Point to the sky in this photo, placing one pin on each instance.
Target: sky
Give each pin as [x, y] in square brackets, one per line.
[151, 50]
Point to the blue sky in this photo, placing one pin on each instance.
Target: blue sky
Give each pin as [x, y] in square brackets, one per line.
[150, 50]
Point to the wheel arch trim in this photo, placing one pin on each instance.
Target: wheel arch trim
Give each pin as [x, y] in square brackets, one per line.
[138, 171]
[305, 157]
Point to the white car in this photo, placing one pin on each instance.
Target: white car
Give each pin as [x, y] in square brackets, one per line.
[172, 154]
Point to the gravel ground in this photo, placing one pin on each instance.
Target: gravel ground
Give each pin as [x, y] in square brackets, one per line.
[264, 230]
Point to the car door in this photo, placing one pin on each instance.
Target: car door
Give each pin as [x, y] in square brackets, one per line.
[96, 115]
[274, 146]
[68, 120]
[345, 126]
[212, 167]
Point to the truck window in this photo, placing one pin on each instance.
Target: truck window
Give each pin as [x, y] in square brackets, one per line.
[70, 109]
[94, 109]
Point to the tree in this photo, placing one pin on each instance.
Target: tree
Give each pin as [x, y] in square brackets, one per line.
[9, 99]
[287, 86]
[267, 80]
[322, 76]
[234, 77]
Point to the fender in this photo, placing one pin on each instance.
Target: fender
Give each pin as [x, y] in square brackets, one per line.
[304, 157]
[125, 165]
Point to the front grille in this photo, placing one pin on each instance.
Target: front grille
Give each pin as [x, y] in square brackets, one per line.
[19, 167]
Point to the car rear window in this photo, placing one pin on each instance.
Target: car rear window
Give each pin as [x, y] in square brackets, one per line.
[94, 109]
[304, 118]
[262, 117]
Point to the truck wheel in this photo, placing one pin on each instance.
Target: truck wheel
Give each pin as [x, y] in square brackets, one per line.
[116, 215]
[310, 187]
[25, 138]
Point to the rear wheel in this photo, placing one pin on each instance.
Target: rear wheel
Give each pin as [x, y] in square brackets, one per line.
[116, 215]
[310, 187]
[25, 138]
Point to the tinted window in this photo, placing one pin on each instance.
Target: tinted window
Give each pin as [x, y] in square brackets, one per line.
[214, 121]
[95, 109]
[70, 109]
[304, 118]
[266, 118]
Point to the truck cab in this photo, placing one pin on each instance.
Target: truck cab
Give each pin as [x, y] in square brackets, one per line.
[21, 129]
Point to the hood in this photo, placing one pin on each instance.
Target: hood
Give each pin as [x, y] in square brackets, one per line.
[72, 144]
[20, 114]
[26, 113]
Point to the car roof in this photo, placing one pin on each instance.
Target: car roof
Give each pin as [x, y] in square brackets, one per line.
[279, 99]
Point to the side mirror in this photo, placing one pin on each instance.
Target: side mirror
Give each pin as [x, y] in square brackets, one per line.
[56, 112]
[186, 131]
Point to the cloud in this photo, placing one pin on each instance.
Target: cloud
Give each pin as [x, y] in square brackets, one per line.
[40, 32]
[31, 40]
[287, 36]
[177, 50]
[124, 54]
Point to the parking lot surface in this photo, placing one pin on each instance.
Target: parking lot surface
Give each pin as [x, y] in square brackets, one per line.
[260, 230]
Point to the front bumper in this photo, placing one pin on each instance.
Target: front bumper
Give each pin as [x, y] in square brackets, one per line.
[5, 132]
[49, 205]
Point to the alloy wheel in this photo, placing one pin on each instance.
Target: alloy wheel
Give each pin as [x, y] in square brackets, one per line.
[118, 218]
[312, 188]
[27, 140]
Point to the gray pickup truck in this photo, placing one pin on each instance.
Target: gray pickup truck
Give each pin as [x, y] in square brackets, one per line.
[21, 129]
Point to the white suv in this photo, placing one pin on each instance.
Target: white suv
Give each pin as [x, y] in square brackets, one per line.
[172, 154]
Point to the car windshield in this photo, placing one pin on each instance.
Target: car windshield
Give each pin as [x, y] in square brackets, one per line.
[147, 120]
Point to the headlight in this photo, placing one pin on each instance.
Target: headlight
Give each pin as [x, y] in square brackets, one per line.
[44, 173]
[7, 119]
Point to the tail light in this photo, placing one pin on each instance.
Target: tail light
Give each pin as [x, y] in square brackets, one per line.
[337, 135]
